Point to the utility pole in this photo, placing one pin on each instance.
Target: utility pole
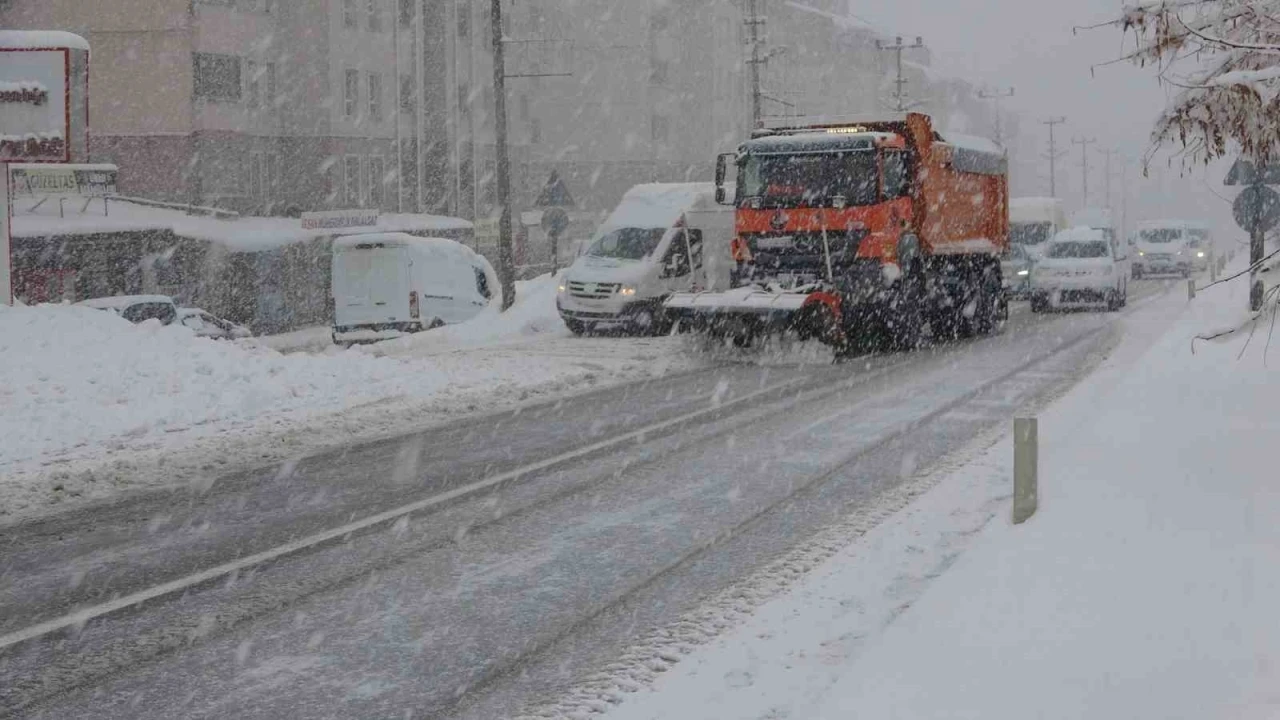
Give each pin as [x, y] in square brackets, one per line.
[506, 262]
[900, 93]
[1084, 164]
[1107, 153]
[1053, 154]
[753, 22]
[997, 96]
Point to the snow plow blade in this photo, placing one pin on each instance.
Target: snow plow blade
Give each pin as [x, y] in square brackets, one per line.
[744, 314]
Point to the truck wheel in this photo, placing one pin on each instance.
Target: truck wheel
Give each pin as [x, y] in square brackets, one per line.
[904, 321]
[990, 310]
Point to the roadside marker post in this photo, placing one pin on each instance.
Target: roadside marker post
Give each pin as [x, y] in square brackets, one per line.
[1026, 469]
[1191, 289]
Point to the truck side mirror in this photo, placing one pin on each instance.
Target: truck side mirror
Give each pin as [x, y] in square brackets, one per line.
[722, 172]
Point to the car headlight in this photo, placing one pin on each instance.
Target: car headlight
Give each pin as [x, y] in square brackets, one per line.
[1023, 273]
[1200, 254]
[1141, 254]
[560, 290]
[625, 290]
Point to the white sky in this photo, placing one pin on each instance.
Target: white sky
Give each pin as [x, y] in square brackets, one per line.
[1028, 44]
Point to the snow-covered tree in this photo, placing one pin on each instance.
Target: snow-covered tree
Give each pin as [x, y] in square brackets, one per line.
[1224, 56]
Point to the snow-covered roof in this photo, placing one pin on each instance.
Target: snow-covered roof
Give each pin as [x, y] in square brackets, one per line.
[41, 39]
[973, 142]
[656, 205]
[398, 239]
[1079, 235]
[245, 234]
[120, 302]
[1092, 217]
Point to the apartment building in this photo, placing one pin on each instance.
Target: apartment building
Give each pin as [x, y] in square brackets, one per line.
[263, 106]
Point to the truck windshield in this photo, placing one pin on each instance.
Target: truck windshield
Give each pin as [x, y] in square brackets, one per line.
[807, 179]
[1092, 249]
[1030, 233]
[1160, 235]
[627, 243]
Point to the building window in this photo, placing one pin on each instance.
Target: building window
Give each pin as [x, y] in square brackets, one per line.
[351, 93]
[270, 98]
[377, 180]
[406, 12]
[261, 181]
[251, 83]
[217, 77]
[375, 15]
[661, 127]
[406, 93]
[660, 71]
[351, 180]
[375, 96]
[349, 13]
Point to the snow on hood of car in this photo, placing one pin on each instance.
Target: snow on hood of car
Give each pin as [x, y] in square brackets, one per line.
[589, 268]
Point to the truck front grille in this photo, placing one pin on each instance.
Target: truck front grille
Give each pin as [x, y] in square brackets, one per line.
[592, 291]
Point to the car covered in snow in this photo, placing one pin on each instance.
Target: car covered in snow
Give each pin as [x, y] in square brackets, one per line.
[1170, 247]
[386, 285]
[204, 324]
[137, 308]
[1080, 268]
[662, 238]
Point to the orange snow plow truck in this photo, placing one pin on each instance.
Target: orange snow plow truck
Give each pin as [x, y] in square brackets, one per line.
[860, 234]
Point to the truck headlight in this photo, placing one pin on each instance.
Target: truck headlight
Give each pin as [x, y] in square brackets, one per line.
[1141, 254]
[1023, 273]
[626, 290]
[1200, 254]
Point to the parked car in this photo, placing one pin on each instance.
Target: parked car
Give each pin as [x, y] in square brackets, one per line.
[1080, 269]
[206, 325]
[662, 238]
[386, 285]
[1016, 267]
[137, 308]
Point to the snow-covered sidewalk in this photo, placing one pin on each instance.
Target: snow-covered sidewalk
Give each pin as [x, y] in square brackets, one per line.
[91, 405]
[1145, 587]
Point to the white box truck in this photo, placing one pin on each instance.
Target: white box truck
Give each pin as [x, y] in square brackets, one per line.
[662, 238]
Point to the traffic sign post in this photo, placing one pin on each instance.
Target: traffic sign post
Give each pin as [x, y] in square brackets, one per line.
[1256, 210]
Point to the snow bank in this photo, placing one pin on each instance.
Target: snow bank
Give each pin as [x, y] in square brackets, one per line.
[1147, 584]
[92, 406]
[75, 376]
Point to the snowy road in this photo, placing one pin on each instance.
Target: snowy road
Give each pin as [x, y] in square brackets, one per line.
[543, 541]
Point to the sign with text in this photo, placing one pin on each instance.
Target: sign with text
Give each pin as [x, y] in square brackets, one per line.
[340, 220]
[75, 180]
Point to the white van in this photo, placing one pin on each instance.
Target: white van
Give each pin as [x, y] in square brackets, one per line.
[1034, 221]
[386, 285]
[662, 238]
[1170, 247]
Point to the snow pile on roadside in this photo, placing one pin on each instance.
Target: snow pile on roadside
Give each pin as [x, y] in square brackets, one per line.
[1146, 585]
[534, 313]
[77, 377]
[92, 406]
